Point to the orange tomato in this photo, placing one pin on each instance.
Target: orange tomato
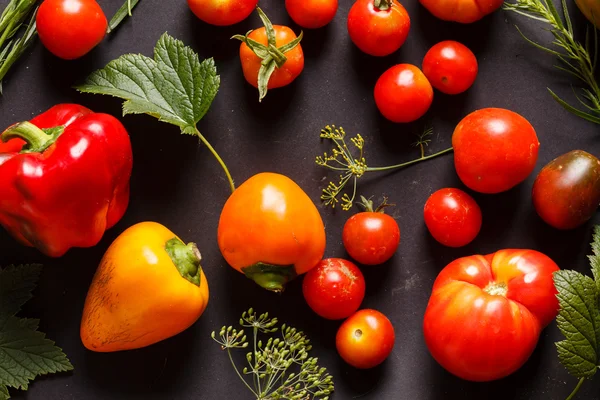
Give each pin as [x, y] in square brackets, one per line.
[271, 231]
[281, 76]
[149, 286]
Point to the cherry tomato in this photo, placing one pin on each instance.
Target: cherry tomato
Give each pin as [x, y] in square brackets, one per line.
[271, 231]
[452, 217]
[450, 67]
[334, 289]
[281, 76]
[494, 150]
[463, 11]
[403, 93]
[222, 12]
[371, 237]
[312, 14]
[378, 27]
[566, 192]
[365, 339]
[485, 313]
[69, 29]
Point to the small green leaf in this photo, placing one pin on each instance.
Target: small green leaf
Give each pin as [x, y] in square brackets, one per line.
[579, 322]
[595, 257]
[264, 74]
[16, 285]
[174, 87]
[4, 395]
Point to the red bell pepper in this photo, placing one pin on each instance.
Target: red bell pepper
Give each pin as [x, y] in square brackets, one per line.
[64, 178]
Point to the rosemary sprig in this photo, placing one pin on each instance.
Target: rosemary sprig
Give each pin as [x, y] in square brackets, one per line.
[121, 13]
[269, 362]
[576, 58]
[353, 167]
[11, 20]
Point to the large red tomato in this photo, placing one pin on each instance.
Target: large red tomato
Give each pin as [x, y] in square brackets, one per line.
[378, 27]
[485, 313]
[222, 12]
[464, 11]
[494, 150]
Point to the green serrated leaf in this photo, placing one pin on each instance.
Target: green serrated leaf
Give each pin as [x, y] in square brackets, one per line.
[4, 395]
[174, 87]
[595, 257]
[16, 285]
[26, 354]
[579, 322]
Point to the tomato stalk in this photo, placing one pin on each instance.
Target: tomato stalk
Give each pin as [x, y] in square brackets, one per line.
[219, 159]
[576, 390]
[354, 167]
[383, 5]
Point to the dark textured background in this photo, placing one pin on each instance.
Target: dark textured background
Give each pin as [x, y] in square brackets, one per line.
[177, 183]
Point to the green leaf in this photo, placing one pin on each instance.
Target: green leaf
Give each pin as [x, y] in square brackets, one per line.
[26, 354]
[16, 285]
[595, 257]
[579, 322]
[174, 87]
[4, 395]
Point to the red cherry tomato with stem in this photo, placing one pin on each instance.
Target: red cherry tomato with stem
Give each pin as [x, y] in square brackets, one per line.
[450, 67]
[365, 339]
[378, 27]
[452, 217]
[69, 29]
[334, 289]
[494, 150]
[222, 12]
[312, 14]
[403, 93]
[371, 237]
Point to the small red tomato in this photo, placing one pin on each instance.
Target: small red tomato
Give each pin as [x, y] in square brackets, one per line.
[403, 93]
[378, 27]
[312, 14]
[566, 192]
[494, 150]
[222, 12]
[452, 217]
[463, 11]
[334, 289]
[371, 237]
[69, 29]
[365, 339]
[450, 67]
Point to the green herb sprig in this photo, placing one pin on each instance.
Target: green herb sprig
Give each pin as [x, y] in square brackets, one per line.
[12, 19]
[121, 14]
[270, 361]
[579, 318]
[576, 58]
[353, 166]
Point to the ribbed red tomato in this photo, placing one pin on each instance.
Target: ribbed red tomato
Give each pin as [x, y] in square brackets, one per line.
[485, 313]
[69, 29]
[450, 67]
[334, 289]
[494, 150]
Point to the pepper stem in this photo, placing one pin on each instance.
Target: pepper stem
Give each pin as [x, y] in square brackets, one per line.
[186, 259]
[36, 138]
[383, 5]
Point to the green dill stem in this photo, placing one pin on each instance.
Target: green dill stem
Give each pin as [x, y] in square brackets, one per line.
[256, 374]
[406, 164]
[572, 395]
[219, 159]
[238, 373]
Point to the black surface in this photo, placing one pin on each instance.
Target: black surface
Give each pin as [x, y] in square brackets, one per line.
[177, 183]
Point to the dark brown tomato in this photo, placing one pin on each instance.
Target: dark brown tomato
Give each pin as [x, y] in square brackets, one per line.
[566, 192]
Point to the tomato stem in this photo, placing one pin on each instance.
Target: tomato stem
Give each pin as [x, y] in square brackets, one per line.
[219, 159]
[574, 392]
[383, 5]
[496, 289]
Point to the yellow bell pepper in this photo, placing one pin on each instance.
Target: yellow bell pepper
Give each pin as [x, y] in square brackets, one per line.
[591, 10]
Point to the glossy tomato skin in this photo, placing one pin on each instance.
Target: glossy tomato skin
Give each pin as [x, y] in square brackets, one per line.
[494, 150]
[403, 93]
[371, 238]
[365, 339]
[312, 14]
[452, 217]
[566, 192]
[69, 29]
[334, 289]
[485, 313]
[222, 12]
[281, 76]
[271, 231]
[378, 32]
[463, 11]
[450, 67]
